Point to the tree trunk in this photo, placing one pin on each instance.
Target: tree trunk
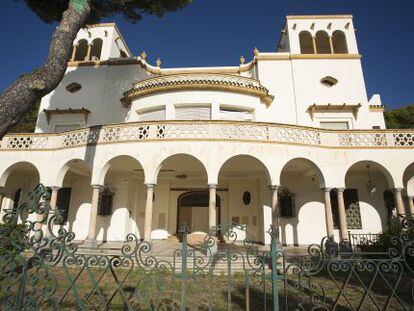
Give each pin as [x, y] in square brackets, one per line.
[23, 94]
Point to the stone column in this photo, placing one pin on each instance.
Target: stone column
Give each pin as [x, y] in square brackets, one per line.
[411, 205]
[342, 215]
[275, 206]
[53, 201]
[212, 206]
[315, 51]
[331, 44]
[399, 201]
[148, 211]
[88, 53]
[91, 240]
[73, 53]
[328, 213]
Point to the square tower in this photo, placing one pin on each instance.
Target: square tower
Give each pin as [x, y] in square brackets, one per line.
[99, 43]
[318, 34]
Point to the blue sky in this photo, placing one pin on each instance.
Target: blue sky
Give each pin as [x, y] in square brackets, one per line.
[217, 32]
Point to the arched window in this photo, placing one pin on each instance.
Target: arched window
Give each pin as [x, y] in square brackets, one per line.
[322, 43]
[81, 50]
[96, 49]
[306, 43]
[339, 42]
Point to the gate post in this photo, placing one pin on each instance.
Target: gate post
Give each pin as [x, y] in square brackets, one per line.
[274, 255]
[184, 274]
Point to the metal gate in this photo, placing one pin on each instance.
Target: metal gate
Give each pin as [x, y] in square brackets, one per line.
[43, 268]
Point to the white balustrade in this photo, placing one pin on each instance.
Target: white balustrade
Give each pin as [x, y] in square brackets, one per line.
[218, 130]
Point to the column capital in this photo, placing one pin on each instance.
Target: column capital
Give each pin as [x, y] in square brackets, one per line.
[396, 190]
[340, 190]
[273, 187]
[326, 189]
[53, 188]
[212, 186]
[96, 186]
[150, 185]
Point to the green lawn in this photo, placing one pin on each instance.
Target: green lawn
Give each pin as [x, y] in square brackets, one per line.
[94, 287]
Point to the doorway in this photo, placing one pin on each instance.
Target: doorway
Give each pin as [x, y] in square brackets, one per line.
[192, 209]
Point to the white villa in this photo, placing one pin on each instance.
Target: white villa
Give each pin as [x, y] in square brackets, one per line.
[289, 137]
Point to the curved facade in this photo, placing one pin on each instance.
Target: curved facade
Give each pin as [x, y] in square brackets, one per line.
[140, 148]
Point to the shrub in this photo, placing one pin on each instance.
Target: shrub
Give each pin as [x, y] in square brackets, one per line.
[395, 231]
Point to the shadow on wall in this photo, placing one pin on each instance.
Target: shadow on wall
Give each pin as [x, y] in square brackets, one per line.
[289, 232]
[99, 89]
[307, 223]
[372, 206]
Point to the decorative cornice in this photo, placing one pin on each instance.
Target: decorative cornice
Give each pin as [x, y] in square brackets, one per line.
[153, 69]
[376, 107]
[325, 56]
[336, 108]
[101, 25]
[198, 81]
[341, 16]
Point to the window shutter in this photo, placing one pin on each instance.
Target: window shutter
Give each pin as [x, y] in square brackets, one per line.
[105, 203]
[352, 210]
[353, 213]
[287, 205]
[16, 199]
[152, 115]
[63, 203]
[192, 113]
[334, 206]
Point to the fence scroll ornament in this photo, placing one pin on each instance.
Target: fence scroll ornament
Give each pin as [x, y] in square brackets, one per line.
[43, 267]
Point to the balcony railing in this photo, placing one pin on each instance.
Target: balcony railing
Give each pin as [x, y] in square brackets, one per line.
[211, 130]
[358, 240]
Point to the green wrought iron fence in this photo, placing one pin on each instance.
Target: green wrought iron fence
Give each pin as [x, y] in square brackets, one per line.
[43, 269]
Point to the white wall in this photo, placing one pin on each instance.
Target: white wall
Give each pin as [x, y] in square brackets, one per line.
[102, 89]
[295, 83]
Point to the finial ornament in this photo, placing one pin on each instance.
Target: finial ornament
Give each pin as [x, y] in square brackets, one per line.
[242, 60]
[158, 62]
[256, 51]
[144, 55]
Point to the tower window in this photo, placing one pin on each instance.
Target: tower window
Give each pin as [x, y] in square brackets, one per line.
[323, 45]
[81, 50]
[96, 49]
[306, 43]
[339, 42]
[123, 54]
